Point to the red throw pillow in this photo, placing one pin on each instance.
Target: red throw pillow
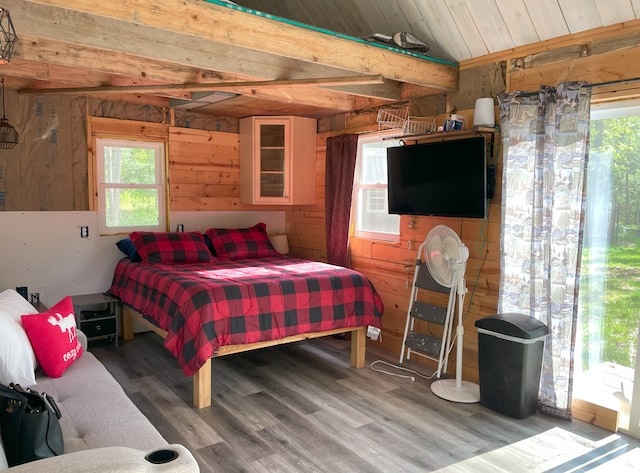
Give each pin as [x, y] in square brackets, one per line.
[241, 243]
[171, 247]
[53, 337]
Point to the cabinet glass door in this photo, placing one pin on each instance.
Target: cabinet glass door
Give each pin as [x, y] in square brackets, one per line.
[272, 160]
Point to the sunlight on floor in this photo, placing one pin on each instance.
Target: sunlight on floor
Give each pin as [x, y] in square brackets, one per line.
[555, 451]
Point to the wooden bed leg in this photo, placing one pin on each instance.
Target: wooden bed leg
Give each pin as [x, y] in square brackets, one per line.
[202, 386]
[127, 324]
[358, 347]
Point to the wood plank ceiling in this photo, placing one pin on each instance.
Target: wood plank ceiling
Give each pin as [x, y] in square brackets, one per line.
[456, 30]
[78, 44]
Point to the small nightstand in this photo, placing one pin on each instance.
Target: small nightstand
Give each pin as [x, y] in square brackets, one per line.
[39, 306]
[98, 316]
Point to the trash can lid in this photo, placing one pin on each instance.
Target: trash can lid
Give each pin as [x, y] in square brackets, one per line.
[514, 325]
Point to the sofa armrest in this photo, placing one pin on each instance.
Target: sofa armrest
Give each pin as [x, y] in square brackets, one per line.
[82, 338]
[169, 459]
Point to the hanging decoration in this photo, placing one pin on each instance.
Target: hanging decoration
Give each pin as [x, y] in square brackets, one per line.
[8, 37]
[8, 134]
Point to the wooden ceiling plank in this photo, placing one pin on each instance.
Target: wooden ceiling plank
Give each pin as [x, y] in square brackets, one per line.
[518, 22]
[467, 27]
[240, 29]
[52, 73]
[580, 15]
[491, 24]
[143, 69]
[418, 27]
[206, 87]
[105, 62]
[103, 65]
[302, 96]
[438, 19]
[615, 11]
[390, 90]
[547, 18]
[50, 28]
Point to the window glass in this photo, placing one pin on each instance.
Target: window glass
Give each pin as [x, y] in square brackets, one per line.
[370, 209]
[131, 186]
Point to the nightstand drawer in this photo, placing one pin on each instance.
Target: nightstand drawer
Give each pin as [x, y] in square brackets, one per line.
[98, 316]
[99, 327]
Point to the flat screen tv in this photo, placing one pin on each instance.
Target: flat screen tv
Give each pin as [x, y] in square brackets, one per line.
[441, 178]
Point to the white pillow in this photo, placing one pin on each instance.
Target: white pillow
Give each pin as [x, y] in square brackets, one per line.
[17, 359]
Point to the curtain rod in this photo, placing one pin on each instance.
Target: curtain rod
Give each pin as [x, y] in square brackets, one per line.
[612, 82]
[590, 86]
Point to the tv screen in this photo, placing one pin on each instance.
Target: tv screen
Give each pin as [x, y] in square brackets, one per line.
[443, 178]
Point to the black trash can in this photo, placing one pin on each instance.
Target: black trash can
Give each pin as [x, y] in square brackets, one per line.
[510, 350]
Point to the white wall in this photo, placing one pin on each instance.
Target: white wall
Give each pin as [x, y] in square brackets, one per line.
[44, 250]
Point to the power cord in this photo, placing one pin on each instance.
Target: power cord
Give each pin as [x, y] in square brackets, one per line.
[410, 377]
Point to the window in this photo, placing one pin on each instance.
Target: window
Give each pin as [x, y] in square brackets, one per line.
[131, 190]
[370, 203]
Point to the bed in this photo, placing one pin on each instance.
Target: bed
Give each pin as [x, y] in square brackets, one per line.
[206, 307]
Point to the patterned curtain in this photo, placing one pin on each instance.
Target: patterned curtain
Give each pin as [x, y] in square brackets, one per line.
[545, 147]
[339, 172]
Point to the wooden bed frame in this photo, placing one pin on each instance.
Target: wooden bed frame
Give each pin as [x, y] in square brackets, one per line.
[202, 379]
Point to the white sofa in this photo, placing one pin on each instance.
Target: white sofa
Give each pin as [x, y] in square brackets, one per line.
[103, 430]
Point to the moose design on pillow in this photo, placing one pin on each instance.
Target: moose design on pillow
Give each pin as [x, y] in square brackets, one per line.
[65, 324]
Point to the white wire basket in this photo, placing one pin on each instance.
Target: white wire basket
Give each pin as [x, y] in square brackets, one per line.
[391, 118]
[419, 125]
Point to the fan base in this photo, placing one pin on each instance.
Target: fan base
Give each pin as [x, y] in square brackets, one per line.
[446, 389]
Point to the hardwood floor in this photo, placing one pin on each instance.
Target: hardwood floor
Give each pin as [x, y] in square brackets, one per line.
[301, 408]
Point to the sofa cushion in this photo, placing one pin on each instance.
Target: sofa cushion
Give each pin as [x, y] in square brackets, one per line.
[96, 412]
[53, 337]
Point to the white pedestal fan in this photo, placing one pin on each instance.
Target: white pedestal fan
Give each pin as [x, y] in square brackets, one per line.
[446, 257]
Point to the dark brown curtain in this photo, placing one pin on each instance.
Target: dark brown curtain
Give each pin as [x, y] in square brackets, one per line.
[340, 167]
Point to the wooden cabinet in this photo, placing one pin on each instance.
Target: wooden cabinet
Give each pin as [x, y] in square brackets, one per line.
[277, 160]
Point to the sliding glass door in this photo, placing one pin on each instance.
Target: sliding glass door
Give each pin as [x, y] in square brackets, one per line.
[606, 370]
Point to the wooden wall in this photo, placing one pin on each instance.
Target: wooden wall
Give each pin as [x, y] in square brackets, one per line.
[601, 55]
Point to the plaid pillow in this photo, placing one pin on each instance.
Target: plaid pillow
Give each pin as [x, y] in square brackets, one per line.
[241, 243]
[171, 247]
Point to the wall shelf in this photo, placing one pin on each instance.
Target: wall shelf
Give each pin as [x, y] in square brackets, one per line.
[452, 135]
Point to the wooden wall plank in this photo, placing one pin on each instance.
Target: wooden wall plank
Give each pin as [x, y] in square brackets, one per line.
[613, 65]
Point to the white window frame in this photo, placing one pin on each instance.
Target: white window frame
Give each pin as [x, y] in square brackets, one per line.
[369, 235]
[159, 185]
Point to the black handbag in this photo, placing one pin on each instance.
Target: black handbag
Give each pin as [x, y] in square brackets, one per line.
[29, 425]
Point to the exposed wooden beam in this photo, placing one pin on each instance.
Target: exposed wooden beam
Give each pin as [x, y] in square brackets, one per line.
[208, 87]
[64, 59]
[234, 29]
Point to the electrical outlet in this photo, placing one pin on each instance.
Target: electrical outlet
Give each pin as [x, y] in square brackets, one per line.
[42, 293]
[84, 231]
[180, 227]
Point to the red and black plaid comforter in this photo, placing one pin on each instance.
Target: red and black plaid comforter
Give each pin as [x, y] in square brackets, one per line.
[203, 306]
